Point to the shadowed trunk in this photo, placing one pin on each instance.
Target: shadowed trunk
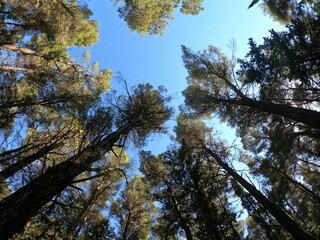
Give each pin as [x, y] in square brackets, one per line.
[19, 207]
[306, 116]
[285, 221]
[182, 221]
[82, 217]
[12, 169]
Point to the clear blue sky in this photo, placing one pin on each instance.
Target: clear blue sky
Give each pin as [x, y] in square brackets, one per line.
[157, 59]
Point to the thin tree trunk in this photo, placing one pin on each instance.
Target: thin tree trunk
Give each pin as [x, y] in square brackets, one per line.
[29, 52]
[21, 149]
[16, 69]
[87, 208]
[20, 206]
[12, 169]
[285, 221]
[209, 215]
[182, 221]
[125, 232]
[81, 219]
[315, 198]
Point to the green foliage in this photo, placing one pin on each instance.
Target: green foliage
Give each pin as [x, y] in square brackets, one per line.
[61, 142]
[191, 188]
[209, 80]
[53, 117]
[79, 215]
[4, 190]
[145, 110]
[52, 26]
[290, 55]
[134, 211]
[192, 7]
[152, 16]
[281, 73]
[285, 11]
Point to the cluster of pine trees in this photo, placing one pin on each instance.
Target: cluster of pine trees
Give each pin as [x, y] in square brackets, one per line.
[63, 132]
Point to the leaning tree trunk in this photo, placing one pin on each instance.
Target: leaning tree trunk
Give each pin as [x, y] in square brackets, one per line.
[285, 221]
[183, 223]
[306, 116]
[209, 215]
[82, 217]
[19, 207]
[21, 163]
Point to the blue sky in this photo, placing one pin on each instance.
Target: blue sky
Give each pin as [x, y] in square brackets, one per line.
[157, 59]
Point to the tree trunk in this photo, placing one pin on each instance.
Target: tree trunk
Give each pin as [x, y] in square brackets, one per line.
[208, 215]
[16, 69]
[302, 115]
[12, 169]
[20, 50]
[19, 150]
[182, 221]
[20, 206]
[306, 116]
[82, 217]
[285, 221]
[30, 52]
[314, 197]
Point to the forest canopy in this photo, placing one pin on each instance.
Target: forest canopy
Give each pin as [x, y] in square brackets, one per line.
[65, 132]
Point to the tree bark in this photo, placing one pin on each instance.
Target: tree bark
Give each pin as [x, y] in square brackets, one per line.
[20, 206]
[314, 197]
[208, 215]
[87, 208]
[30, 52]
[20, 50]
[21, 163]
[16, 69]
[19, 150]
[182, 221]
[306, 116]
[285, 221]
[302, 115]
